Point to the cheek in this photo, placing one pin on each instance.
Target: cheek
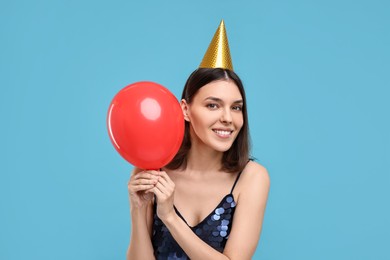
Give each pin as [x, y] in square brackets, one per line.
[197, 122]
[195, 118]
[203, 118]
[239, 120]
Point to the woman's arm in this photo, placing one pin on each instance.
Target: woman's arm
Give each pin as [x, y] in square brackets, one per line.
[247, 222]
[141, 212]
[248, 218]
[140, 239]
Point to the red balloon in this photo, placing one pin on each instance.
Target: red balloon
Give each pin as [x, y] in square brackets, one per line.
[146, 124]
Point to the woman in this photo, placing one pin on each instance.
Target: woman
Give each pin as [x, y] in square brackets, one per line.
[209, 201]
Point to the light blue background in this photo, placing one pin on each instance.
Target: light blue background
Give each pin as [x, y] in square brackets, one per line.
[317, 80]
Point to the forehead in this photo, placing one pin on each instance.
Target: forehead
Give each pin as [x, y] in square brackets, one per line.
[226, 90]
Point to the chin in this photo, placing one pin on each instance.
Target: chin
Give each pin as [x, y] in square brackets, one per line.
[221, 147]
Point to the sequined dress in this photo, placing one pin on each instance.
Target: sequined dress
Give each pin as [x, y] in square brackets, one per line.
[214, 229]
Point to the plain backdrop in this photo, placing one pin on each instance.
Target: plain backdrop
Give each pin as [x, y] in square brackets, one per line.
[317, 80]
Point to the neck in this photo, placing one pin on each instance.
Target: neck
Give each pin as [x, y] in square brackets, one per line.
[203, 159]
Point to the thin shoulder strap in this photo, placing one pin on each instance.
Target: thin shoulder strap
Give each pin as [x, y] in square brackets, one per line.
[234, 185]
[238, 176]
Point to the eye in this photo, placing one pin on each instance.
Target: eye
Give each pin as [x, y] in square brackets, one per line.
[212, 106]
[237, 108]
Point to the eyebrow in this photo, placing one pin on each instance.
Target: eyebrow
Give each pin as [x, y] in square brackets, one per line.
[221, 101]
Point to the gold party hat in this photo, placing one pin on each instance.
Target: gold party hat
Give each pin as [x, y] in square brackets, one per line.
[218, 53]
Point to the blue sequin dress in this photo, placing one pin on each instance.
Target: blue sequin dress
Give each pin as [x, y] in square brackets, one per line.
[214, 230]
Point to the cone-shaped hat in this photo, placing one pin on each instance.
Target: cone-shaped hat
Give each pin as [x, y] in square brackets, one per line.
[218, 53]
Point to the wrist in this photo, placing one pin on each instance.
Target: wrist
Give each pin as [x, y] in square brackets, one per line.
[138, 209]
[170, 218]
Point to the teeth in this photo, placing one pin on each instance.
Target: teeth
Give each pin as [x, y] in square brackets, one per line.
[221, 132]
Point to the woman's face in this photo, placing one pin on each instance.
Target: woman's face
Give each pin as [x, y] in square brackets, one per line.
[215, 115]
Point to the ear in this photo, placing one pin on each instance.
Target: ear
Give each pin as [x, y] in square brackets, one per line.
[184, 108]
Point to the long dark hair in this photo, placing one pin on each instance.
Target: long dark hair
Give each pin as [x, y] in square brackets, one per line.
[234, 159]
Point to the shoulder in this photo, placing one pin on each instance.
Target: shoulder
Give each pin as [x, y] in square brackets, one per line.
[255, 180]
[252, 194]
[257, 173]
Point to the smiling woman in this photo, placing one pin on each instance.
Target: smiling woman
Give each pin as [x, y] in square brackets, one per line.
[213, 100]
[213, 113]
[209, 201]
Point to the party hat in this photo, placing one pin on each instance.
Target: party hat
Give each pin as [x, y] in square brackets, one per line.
[218, 53]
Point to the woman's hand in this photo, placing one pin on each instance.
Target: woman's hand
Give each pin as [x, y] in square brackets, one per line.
[139, 187]
[164, 190]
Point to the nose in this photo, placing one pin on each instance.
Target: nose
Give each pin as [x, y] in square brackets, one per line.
[226, 116]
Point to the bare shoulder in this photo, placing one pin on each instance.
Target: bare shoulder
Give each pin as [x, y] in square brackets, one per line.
[255, 172]
[252, 194]
[254, 179]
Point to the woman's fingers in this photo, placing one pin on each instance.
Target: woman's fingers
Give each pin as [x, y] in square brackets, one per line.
[165, 176]
[163, 182]
[145, 175]
[166, 182]
[150, 190]
[164, 190]
[142, 187]
[165, 185]
[158, 192]
[143, 180]
[157, 182]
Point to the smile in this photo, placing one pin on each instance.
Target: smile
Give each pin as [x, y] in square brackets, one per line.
[223, 133]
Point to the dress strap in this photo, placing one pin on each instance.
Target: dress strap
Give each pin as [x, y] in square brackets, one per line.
[234, 185]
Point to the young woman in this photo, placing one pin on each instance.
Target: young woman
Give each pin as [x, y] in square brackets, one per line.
[209, 201]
